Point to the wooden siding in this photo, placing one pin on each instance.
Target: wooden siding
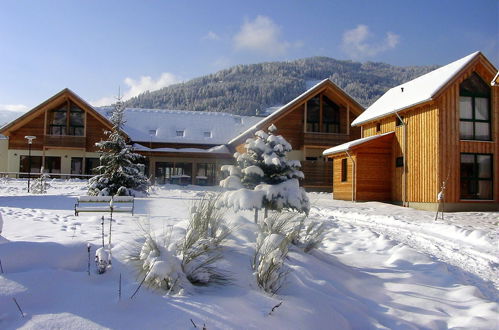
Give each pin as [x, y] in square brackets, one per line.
[94, 131]
[318, 174]
[373, 187]
[33, 127]
[421, 155]
[64, 141]
[342, 190]
[326, 139]
[291, 126]
[452, 146]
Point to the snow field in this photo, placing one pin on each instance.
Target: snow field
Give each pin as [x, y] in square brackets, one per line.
[369, 273]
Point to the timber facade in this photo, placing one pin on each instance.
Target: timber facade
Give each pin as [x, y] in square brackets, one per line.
[318, 119]
[440, 152]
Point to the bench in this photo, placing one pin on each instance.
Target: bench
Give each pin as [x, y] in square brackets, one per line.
[102, 204]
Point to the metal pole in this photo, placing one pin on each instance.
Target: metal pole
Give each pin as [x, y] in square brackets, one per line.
[29, 163]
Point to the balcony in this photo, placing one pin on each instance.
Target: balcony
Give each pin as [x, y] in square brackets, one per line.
[325, 139]
[64, 141]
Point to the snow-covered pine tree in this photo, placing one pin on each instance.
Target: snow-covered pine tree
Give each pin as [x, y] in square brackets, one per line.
[120, 172]
[265, 169]
[40, 185]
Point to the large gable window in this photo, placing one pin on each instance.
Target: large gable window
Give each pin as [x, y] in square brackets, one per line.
[323, 115]
[474, 109]
[67, 119]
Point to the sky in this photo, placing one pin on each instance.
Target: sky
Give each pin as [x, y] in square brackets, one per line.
[95, 47]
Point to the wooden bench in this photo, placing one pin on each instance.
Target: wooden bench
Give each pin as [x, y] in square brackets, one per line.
[102, 204]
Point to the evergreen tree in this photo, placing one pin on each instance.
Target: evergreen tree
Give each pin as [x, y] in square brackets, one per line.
[120, 172]
[265, 170]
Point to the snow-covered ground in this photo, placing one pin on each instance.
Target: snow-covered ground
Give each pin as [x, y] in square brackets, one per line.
[380, 266]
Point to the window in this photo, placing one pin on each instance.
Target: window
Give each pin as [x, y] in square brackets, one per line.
[180, 133]
[91, 164]
[330, 116]
[310, 158]
[323, 115]
[344, 170]
[474, 109]
[52, 164]
[207, 134]
[476, 176]
[399, 162]
[206, 174]
[76, 165]
[168, 172]
[399, 122]
[378, 127]
[24, 164]
[68, 119]
[313, 114]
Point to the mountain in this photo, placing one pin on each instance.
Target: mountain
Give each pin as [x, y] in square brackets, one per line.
[248, 89]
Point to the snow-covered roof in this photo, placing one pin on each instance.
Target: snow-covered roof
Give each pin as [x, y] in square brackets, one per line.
[347, 146]
[416, 91]
[180, 126]
[221, 149]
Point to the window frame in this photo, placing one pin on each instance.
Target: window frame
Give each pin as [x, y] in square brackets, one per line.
[399, 162]
[344, 170]
[474, 95]
[475, 178]
[68, 128]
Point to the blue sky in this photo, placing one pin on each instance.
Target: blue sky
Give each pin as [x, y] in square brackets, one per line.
[93, 47]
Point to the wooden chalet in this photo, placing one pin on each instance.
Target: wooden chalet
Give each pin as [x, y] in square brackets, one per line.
[438, 132]
[313, 122]
[180, 146]
[66, 129]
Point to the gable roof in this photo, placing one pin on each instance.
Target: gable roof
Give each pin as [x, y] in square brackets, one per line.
[319, 87]
[351, 144]
[193, 127]
[66, 92]
[416, 91]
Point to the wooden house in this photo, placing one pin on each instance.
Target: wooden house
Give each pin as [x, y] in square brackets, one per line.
[314, 121]
[436, 133]
[180, 146]
[66, 130]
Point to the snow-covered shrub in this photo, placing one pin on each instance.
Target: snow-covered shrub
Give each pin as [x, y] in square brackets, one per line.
[40, 184]
[286, 224]
[310, 235]
[120, 172]
[102, 257]
[175, 263]
[268, 262]
[265, 171]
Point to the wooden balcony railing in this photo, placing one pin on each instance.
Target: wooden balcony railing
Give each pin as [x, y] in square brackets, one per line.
[68, 141]
[325, 139]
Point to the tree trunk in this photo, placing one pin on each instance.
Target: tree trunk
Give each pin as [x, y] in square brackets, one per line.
[256, 216]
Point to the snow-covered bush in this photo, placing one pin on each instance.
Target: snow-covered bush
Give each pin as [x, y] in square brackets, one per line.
[40, 184]
[310, 235]
[120, 172]
[102, 258]
[264, 177]
[268, 262]
[175, 263]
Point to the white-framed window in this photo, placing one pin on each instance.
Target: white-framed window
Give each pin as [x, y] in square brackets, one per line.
[180, 132]
[207, 134]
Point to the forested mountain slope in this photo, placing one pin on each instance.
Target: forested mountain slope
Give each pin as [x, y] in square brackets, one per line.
[248, 89]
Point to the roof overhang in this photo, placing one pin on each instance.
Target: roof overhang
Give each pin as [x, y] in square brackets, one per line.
[356, 144]
[495, 81]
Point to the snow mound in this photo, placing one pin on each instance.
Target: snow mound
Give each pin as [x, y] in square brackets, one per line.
[402, 254]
